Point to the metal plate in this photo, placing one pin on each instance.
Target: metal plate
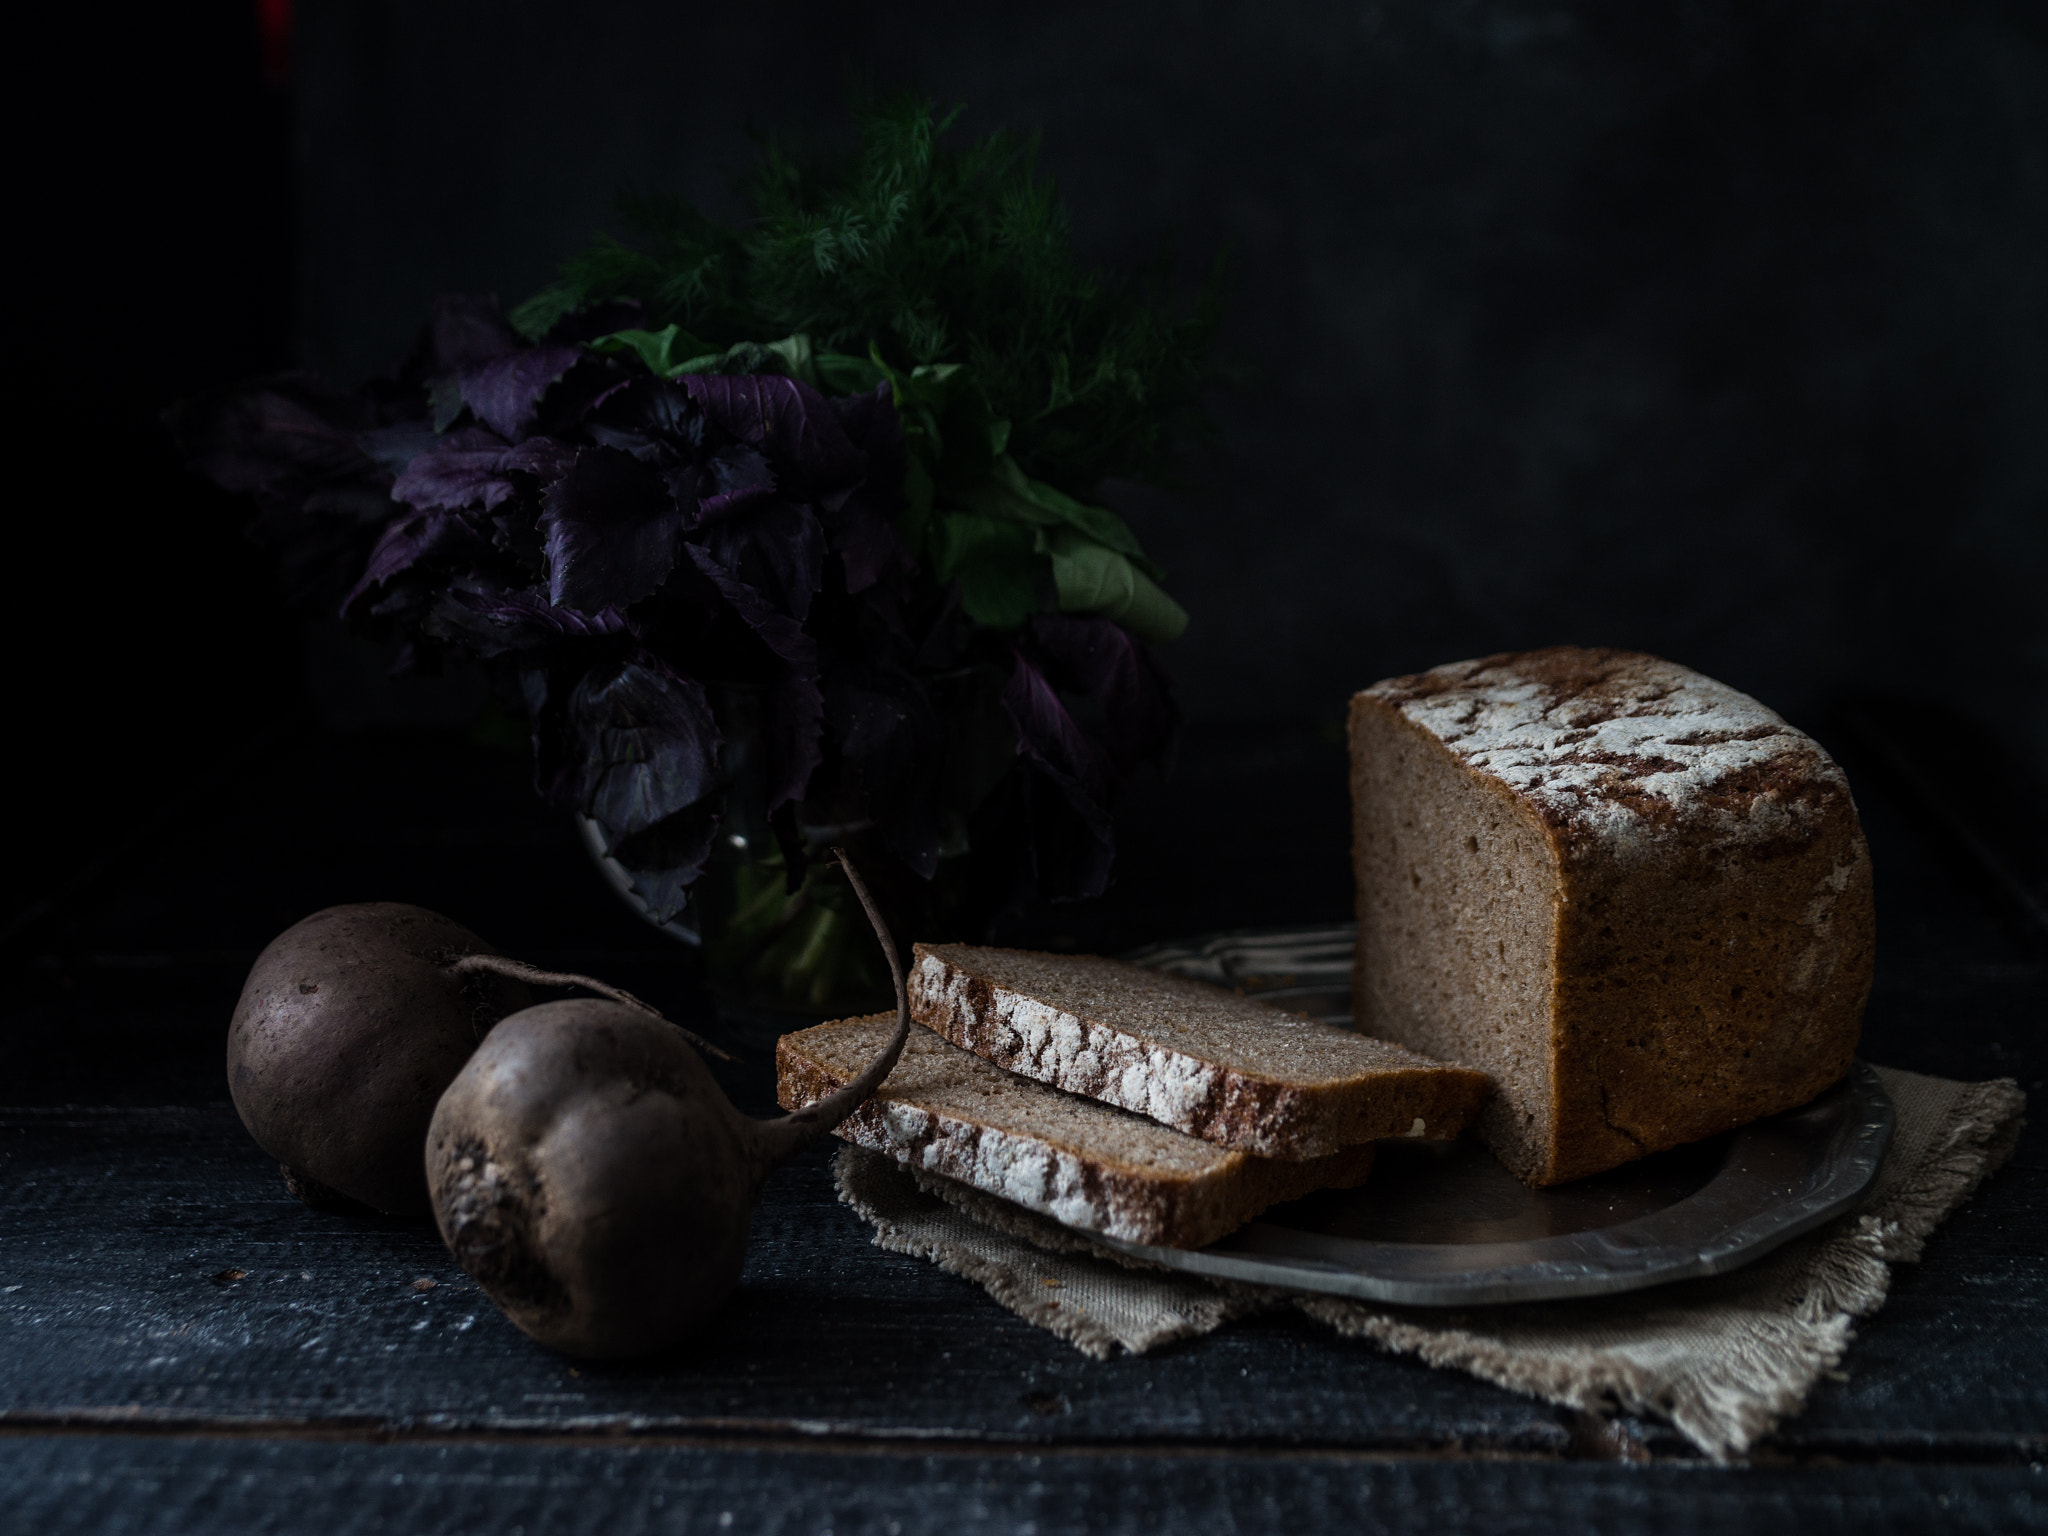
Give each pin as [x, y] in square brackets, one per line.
[1443, 1224]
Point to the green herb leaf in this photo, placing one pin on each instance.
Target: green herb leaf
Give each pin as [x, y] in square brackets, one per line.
[1010, 490]
[840, 373]
[1004, 578]
[538, 315]
[1093, 579]
[929, 252]
[669, 351]
[796, 354]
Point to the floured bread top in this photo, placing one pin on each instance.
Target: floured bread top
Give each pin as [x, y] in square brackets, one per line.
[1202, 1060]
[1623, 748]
[1184, 1029]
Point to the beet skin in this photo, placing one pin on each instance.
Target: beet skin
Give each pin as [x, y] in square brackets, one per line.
[349, 1027]
[591, 1175]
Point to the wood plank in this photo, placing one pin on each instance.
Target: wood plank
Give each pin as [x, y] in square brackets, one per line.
[126, 1230]
[211, 1486]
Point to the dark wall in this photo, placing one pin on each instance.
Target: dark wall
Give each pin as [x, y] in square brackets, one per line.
[150, 246]
[1716, 329]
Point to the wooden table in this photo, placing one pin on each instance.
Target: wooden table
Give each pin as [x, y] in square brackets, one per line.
[186, 1348]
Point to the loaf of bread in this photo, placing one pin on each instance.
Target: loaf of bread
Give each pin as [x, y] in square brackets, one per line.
[1637, 898]
[1086, 1164]
[1195, 1057]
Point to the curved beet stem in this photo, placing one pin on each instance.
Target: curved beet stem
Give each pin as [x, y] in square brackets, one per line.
[777, 1139]
[519, 970]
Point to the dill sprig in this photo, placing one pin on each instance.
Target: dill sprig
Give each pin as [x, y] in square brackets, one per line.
[927, 251]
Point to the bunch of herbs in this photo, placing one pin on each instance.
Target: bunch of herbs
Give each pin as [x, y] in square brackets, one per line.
[765, 531]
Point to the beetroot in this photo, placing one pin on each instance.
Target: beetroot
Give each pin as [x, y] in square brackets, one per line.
[349, 1027]
[589, 1173]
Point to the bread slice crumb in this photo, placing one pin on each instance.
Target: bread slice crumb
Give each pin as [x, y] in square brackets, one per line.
[1088, 1165]
[1229, 1069]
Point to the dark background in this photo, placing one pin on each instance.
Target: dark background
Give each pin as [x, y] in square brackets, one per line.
[1718, 330]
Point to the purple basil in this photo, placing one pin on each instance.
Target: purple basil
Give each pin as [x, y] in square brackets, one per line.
[1105, 662]
[494, 621]
[612, 530]
[650, 744]
[505, 393]
[1050, 738]
[468, 329]
[775, 547]
[281, 442]
[701, 591]
[474, 467]
[788, 422]
[792, 739]
[866, 544]
[666, 859]
[443, 537]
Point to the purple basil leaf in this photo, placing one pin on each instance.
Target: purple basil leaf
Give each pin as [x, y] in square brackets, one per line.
[739, 478]
[1074, 838]
[473, 466]
[872, 425]
[468, 329]
[1049, 736]
[406, 542]
[311, 460]
[789, 422]
[775, 547]
[656, 422]
[667, 858]
[656, 414]
[515, 531]
[557, 755]
[784, 636]
[278, 442]
[796, 709]
[948, 636]
[1103, 660]
[650, 744]
[396, 446]
[492, 621]
[506, 392]
[1074, 835]
[612, 531]
[445, 405]
[400, 601]
[866, 544]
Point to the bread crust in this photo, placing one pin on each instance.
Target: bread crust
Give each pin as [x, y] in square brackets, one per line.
[1692, 899]
[1204, 1061]
[1088, 1165]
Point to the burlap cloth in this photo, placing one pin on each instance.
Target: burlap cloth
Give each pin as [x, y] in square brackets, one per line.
[1723, 1359]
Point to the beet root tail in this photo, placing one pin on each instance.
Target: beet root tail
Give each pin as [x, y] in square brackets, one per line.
[777, 1140]
[519, 970]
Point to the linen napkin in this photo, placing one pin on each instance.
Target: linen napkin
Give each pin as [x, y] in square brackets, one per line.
[1722, 1358]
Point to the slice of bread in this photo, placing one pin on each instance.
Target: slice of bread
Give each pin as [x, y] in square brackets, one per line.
[1205, 1061]
[1638, 898]
[1085, 1164]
